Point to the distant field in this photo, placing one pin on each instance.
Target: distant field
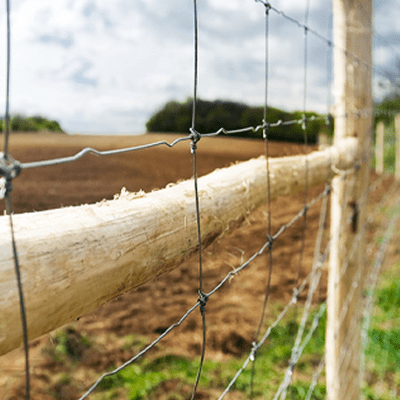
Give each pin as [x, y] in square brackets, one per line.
[93, 178]
[144, 313]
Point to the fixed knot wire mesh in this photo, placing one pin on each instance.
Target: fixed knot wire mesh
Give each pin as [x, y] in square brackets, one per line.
[303, 282]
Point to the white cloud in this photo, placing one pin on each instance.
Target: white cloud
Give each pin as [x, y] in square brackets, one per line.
[100, 65]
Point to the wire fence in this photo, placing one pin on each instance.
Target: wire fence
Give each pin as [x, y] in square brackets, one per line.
[312, 311]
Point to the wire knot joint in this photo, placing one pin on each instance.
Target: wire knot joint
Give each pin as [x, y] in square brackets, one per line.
[203, 298]
[9, 169]
[266, 4]
[253, 353]
[270, 241]
[266, 125]
[304, 122]
[195, 137]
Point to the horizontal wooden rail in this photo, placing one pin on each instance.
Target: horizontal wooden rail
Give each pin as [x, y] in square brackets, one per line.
[76, 258]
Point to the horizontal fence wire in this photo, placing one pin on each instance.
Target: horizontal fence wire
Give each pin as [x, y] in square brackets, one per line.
[10, 168]
[226, 279]
[315, 272]
[289, 305]
[8, 171]
[345, 353]
[373, 280]
[193, 136]
[298, 346]
[330, 43]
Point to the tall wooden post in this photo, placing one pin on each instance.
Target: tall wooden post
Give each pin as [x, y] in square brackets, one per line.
[397, 134]
[379, 147]
[353, 118]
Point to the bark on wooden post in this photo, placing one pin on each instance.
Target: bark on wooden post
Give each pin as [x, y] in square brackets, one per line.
[353, 118]
[74, 259]
[397, 133]
[379, 148]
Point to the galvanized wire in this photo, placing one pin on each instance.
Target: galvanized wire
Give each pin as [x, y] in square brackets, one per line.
[304, 127]
[8, 170]
[326, 192]
[227, 277]
[316, 377]
[268, 181]
[293, 301]
[350, 254]
[195, 138]
[377, 267]
[299, 351]
[345, 354]
[312, 289]
[363, 229]
[194, 132]
[144, 351]
[290, 304]
[323, 38]
[8, 58]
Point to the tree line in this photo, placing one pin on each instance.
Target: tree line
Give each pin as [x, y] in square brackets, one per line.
[176, 117]
[386, 110]
[36, 123]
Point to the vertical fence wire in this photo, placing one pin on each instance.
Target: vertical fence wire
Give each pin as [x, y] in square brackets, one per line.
[195, 139]
[315, 274]
[9, 169]
[305, 134]
[268, 181]
[8, 68]
[372, 284]
[314, 283]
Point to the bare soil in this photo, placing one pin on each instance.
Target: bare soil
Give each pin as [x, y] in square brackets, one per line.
[233, 313]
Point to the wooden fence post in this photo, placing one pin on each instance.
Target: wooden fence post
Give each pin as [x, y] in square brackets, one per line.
[75, 258]
[397, 134]
[379, 147]
[353, 118]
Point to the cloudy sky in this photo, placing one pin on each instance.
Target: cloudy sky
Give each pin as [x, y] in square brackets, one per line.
[106, 66]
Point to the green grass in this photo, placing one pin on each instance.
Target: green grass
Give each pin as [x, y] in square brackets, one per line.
[150, 376]
[389, 149]
[141, 380]
[383, 349]
[167, 377]
[69, 346]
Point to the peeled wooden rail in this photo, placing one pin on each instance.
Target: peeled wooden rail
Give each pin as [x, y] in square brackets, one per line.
[76, 258]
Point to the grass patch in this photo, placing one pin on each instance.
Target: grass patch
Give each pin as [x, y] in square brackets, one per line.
[383, 349]
[70, 346]
[172, 377]
[389, 149]
[167, 377]
[144, 379]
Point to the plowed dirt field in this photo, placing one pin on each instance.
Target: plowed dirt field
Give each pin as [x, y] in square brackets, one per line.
[233, 313]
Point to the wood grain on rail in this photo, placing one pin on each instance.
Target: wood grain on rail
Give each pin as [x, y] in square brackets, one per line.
[74, 259]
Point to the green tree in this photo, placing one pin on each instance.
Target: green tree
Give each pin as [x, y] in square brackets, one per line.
[36, 123]
[213, 115]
